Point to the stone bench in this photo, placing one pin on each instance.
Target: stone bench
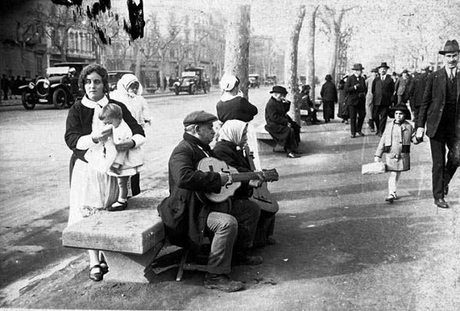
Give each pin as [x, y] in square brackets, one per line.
[129, 239]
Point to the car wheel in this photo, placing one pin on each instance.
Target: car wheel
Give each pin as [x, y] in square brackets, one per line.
[60, 98]
[192, 89]
[28, 101]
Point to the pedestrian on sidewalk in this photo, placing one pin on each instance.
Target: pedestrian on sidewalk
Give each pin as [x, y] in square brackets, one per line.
[129, 92]
[90, 190]
[439, 111]
[394, 147]
[5, 86]
[370, 97]
[329, 97]
[382, 90]
[355, 88]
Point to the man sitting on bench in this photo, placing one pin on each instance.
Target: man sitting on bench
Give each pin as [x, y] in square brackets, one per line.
[186, 218]
[284, 130]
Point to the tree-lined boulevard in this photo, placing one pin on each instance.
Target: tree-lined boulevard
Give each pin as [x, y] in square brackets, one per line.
[340, 246]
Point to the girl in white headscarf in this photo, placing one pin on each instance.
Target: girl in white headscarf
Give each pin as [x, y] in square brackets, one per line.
[129, 92]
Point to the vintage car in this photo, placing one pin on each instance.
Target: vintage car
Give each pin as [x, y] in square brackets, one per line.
[254, 81]
[59, 87]
[191, 81]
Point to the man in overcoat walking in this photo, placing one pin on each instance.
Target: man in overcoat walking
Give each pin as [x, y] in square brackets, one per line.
[439, 111]
[355, 89]
[383, 88]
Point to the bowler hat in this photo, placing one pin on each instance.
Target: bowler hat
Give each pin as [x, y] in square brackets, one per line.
[450, 47]
[400, 107]
[328, 77]
[199, 117]
[374, 70]
[383, 65]
[279, 89]
[357, 66]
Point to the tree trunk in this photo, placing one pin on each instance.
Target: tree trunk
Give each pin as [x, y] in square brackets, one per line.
[291, 63]
[237, 45]
[335, 40]
[310, 43]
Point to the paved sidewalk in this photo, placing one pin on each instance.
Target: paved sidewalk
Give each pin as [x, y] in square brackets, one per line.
[340, 245]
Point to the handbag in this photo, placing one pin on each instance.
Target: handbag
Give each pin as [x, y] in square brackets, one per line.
[373, 168]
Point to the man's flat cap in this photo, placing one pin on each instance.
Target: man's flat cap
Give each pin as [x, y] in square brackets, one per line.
[199, 117]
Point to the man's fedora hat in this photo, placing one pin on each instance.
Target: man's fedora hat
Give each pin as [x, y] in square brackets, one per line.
[450, 47]
[279, 89]
[357, 66]
[383, 65]
[400, 107]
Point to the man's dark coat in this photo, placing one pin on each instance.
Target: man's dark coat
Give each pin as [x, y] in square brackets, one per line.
[434, 100]
[382, 91]
[183, 214]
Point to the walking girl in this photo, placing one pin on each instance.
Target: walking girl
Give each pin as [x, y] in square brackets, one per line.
[394, 148]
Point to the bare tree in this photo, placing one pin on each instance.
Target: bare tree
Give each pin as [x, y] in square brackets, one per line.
[292, 60]
[310, 18]
[332, 19]
[237, 45]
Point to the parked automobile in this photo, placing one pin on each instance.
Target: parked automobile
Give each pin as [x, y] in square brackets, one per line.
[59, 87]
[254, 81]
[270, 80]
[191, 81]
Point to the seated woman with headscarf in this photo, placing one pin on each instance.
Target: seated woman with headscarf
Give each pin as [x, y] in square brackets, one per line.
[229, 148]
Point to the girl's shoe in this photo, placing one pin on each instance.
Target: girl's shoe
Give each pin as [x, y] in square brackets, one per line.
[391, 197]
[118, 206]
[95, 273]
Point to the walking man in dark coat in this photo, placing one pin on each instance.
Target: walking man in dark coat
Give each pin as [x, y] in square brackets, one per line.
[187, 218]
[284, 130]
[355, 89]
[383, 88]
[416, 92]
[329, 96]
[439, 111]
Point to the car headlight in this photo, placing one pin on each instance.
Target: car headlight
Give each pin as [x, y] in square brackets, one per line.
[31, 85]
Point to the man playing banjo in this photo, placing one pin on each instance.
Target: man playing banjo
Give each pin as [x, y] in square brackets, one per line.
[187, 219]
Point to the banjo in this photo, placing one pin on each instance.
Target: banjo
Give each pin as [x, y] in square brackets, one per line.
[234, 178]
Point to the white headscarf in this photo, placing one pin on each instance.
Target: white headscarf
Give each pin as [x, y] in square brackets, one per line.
[124, 83]
[232, 131]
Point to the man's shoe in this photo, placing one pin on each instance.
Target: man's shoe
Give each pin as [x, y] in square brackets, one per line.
[441, 203]
[353, 136]
[297, 151]
[292, 155]
[221, 282]
[361, 134]
[446, 189]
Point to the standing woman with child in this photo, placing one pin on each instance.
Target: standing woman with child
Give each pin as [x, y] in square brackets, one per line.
[90, 190]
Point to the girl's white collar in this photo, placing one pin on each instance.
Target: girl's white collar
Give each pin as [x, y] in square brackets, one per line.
[92, 104]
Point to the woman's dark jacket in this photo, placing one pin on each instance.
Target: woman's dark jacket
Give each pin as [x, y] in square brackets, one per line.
[277, 121]
[238, 108]
[79, 123]
[231, 154]
[329, 92]
[183, 214]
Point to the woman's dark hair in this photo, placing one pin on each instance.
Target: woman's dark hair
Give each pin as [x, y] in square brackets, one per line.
[99, 70]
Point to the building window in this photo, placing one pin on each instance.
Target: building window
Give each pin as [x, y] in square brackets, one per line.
[39, 65]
